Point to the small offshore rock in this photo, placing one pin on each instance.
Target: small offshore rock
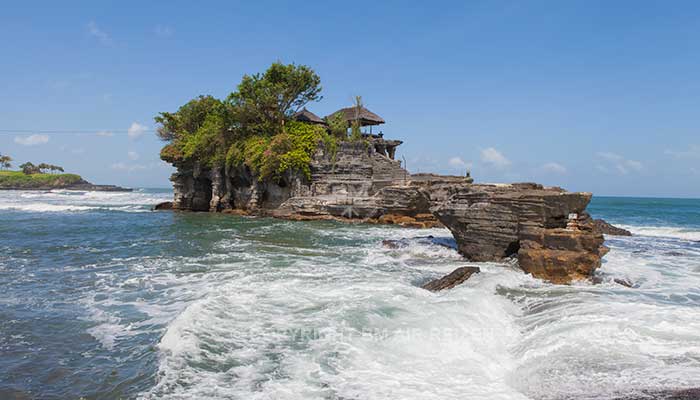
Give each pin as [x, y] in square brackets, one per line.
[605, 228]
[454, 278]
[623, 282]
[166, 205]
[392, 244]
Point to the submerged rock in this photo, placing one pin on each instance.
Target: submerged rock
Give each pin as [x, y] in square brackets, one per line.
[603, 227]
[454, 278]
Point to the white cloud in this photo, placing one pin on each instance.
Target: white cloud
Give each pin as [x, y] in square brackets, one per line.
[553, 168]
[618, 163]
[163, 31]
[494, 157]
[32, 140]
[133, 155]
[98, 33]
[693, 151]
[105, 134]
[457, 162]
[127, 167]
[120, 166]
[136, 130]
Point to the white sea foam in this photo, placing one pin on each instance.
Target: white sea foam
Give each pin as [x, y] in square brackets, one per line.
[66, 201]
[317, 313]
[665, 231]
[352, 323]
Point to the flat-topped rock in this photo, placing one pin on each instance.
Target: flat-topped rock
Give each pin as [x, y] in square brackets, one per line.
[530, 221]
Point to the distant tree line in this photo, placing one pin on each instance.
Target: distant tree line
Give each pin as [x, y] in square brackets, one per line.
[5, 161]
[29, 168]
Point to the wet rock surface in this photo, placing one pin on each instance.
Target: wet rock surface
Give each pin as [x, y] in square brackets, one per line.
[454, 278]
[605, 228]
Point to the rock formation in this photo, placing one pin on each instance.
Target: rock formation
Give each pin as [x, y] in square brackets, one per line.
[607, 229]
[358, 182]
[166, 205]
[547, 229]
[454, 278]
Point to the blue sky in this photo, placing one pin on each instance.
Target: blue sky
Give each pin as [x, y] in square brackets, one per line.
[595, 96]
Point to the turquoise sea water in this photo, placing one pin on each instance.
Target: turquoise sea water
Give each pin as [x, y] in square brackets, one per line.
[102, 298]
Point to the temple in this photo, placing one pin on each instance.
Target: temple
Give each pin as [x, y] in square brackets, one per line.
[365, 118]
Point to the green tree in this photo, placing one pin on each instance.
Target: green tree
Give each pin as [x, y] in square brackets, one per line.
[187, 119]
[264, 102]
[202, 129]
[5, 161]
[337, 125]
[28, 168]
[212, 131]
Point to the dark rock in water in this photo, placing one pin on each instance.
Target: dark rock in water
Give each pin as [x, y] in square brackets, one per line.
[674, 253]
[166, 205]
[393, 244]
[623, 282]
[425, 240]
[603, 227]
[672, 394]
[451, 280]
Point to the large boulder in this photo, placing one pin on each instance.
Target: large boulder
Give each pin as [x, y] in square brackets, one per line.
[560, 255]
[532, 222]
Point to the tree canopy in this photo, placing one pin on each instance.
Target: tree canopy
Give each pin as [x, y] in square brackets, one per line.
[252, 126]
[29, 168]
[265, 101]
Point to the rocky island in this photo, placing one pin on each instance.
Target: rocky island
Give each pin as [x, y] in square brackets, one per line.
[261, 152]
[38, 177]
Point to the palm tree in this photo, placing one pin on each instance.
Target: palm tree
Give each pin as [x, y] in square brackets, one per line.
[5, 161]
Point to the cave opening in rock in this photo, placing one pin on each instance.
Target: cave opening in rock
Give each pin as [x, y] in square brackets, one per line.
[203, 194]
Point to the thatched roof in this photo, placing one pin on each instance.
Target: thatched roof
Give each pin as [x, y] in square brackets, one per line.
[307, 116]
[367, 117]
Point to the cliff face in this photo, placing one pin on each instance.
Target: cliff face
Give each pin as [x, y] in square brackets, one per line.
[355, 182]
[547, 229]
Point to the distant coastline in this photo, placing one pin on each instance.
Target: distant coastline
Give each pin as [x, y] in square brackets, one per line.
[17, 180]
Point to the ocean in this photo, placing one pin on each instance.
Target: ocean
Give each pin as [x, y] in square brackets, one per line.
[100, 298]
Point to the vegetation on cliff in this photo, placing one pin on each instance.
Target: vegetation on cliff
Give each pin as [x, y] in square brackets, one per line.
[252, 127]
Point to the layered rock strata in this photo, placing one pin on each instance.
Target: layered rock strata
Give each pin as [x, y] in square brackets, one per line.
[547, 229]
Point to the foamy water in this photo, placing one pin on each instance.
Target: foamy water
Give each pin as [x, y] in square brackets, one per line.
[157, 305]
